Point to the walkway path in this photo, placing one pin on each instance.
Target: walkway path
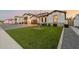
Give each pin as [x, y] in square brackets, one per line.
[6, 42]
[70, 39]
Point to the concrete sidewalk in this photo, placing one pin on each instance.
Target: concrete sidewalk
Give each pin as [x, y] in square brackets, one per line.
[6, 42]
[70, 39]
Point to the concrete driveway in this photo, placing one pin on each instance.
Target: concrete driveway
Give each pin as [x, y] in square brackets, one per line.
[70, 39]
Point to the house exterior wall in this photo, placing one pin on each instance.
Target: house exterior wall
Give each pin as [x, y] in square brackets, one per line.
[50, 19]
[42, 20]
[45, 19]
[19, 20]
[61, 18]
[38, 20]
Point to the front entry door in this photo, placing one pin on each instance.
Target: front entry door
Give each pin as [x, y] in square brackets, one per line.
[55, 19]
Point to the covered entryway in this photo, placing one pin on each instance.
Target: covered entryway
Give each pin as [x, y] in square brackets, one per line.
[25, 20]
[29, 21]
[55, 19]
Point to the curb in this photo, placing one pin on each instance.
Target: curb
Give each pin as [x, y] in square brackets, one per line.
[60, 41]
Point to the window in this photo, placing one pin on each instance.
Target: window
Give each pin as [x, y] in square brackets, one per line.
[42, 19]
[45, 19]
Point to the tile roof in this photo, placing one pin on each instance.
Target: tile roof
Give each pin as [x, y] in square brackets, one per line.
[18, 16]
[42, 14]
[57, 11]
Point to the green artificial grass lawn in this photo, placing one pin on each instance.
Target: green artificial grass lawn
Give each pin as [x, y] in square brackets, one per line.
[37, 37]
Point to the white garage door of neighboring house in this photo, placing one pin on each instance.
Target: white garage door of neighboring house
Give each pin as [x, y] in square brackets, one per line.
[76, 22]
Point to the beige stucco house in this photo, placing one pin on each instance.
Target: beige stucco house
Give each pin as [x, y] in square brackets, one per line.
[57, 17]
[30, 18]
[54, 17]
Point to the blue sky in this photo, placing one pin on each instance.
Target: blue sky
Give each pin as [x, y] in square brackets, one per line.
[6, 14]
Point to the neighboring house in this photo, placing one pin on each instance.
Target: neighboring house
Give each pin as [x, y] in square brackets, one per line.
[70, 21]
[19, 19]
[9, 21]
[76, 20]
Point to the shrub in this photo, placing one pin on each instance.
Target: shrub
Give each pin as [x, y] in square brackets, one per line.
[66, 25]
[49, 24]
[55, 25]
[44, 24]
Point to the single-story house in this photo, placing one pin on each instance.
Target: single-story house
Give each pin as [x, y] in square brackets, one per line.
[57, 17]
[19, 19]
[54, 17]
[76, 20]
[9, 21]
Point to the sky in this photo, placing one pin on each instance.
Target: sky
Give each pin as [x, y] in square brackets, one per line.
[7, 14]
[72, 13]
